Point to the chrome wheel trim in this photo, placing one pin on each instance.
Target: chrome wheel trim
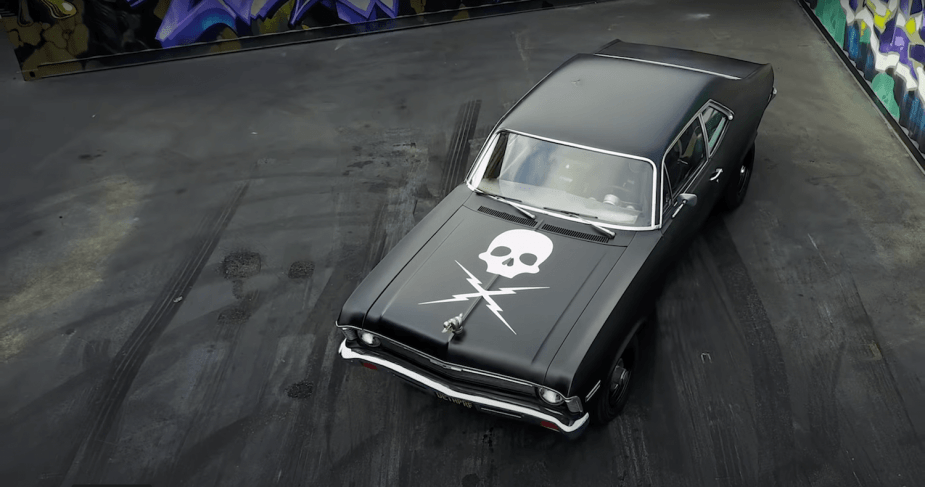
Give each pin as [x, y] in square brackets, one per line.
[618, 383]
[744, 175]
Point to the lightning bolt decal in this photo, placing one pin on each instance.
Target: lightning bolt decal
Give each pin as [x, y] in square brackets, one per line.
[485, 294]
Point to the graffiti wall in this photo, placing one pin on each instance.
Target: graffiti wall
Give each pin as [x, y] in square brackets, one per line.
[58, 36]
[884, 40]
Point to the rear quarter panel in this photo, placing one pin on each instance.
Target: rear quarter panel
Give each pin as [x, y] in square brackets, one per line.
[748, 98]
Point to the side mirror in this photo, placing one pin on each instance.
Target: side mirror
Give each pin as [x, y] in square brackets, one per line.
[687, 199]
[684, 199]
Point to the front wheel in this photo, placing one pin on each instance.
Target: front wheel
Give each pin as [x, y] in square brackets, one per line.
[613, 394]
[738, 185]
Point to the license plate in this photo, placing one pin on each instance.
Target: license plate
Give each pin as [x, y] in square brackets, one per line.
[454, 400]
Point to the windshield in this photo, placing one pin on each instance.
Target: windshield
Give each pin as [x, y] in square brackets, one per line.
[604, 187]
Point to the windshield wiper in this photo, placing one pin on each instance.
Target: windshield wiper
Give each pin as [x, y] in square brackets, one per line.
[606, 231]
[508, 201]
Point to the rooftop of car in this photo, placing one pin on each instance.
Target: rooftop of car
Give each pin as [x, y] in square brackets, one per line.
[619, 105]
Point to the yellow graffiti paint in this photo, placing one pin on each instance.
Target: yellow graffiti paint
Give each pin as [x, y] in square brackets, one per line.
[877, 7]
[276, 23]
[79, 41]
[880, 20]
[160, 10]
[228, 41]
[418, 5]
[910, 26]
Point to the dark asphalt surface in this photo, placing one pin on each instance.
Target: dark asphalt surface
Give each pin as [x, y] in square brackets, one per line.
[177, 240]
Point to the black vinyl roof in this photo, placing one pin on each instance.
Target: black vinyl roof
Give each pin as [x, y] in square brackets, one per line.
[619, 105]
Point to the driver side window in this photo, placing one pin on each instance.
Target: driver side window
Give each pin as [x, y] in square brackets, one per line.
[683, 159]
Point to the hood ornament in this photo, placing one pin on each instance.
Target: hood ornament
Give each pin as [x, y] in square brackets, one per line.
[454, 325]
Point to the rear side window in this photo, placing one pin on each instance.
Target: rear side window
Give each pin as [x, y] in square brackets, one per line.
[715, 123]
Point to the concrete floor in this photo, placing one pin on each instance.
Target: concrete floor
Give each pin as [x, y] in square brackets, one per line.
[790, 345]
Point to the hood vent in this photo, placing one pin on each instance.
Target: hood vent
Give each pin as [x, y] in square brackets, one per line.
[507, 216]
[572, 233]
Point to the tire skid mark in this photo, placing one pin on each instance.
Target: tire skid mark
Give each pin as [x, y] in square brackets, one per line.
[75, 326]
[773, 416]
[107, 400]
[709, 384]
[300, 456]
[458, 152]
[834, 316]
[213, 378]
[394, 218]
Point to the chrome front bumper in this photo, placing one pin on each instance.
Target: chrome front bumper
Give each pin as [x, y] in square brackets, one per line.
[480, 402]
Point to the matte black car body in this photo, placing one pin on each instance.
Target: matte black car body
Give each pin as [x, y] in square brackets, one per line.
[561, 325]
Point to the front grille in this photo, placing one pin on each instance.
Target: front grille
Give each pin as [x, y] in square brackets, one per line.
[463, 376]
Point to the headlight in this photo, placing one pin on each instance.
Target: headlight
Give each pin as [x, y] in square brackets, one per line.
[551, 396]
[349, 333]
[369, 339]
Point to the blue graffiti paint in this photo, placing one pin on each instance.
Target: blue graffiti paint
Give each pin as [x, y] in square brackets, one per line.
[853, 45]
[187, 20]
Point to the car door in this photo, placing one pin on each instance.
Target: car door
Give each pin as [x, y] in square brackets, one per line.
[686, 166]
[716, 119]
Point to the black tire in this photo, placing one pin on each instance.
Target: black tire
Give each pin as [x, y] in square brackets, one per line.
[608, 402]
[737, 186]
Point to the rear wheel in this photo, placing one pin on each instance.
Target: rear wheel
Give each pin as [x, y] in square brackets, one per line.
[613, 393]
[738, 184]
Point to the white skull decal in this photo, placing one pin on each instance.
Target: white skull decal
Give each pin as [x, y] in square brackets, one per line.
[516, 252]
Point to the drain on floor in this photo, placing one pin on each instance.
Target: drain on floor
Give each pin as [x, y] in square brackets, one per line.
[241, 312]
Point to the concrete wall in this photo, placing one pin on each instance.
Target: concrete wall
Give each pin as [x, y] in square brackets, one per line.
[884, 41]
[59, 36]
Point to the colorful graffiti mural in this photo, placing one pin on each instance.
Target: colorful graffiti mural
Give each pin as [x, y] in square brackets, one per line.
[884, 40]
[67, 33]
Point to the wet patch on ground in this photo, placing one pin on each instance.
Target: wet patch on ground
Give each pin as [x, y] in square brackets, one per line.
[241, 265]
[302, 269]
[301, 390]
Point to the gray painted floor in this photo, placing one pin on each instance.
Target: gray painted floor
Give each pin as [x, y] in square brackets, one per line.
[790, 346]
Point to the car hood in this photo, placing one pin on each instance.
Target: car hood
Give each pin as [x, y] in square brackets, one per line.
[516, 315]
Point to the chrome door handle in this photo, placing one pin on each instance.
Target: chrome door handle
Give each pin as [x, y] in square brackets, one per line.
[715, 176]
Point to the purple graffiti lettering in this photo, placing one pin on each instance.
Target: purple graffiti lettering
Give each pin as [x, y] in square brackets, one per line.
[187, 20]
[184, 22]
[853, 4]
[356, 11]
[894, 39]
[917, 52]
[916, 7]
[904, 6]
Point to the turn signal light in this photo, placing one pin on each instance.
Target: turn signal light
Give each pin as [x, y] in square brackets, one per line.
[549, 425]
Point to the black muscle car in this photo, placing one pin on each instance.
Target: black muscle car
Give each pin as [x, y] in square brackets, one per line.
[521, 293]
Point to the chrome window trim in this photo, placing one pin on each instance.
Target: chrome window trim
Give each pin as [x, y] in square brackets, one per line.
[657, 63]
[475, 179]
[486, 149]
[692, 177]
[722, 134]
